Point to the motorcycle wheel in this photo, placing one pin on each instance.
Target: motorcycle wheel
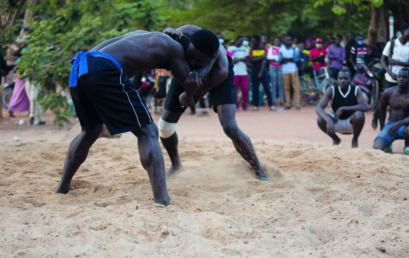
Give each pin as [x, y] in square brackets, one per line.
[375, 94]
[6, 97]
[325, 84]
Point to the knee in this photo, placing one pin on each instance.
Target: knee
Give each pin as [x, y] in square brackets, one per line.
[379, 144]
[320, 121]
[166, 129]
[406, 132]
[232, 131]
[358, 116]
[92, 133]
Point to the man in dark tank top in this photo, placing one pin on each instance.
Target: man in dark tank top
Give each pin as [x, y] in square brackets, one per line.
[348, 107]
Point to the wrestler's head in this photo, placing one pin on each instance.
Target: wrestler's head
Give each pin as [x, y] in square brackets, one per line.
[203, 46]
[403, 78]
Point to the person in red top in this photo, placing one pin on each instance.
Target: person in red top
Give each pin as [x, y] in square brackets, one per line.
[317, 55]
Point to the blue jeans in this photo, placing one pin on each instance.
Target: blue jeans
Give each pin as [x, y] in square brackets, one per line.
[400, 134]
[277, 83]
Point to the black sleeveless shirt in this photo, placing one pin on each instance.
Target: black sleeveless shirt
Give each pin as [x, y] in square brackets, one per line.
[340, 100]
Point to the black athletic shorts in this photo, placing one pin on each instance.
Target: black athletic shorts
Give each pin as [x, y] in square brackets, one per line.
[106, 95]
[225, 93]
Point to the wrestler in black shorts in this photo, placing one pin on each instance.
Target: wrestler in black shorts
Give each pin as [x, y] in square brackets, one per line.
[105, 95]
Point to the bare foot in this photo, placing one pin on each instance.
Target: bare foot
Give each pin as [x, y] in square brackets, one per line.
[173, 170]
[336, 141]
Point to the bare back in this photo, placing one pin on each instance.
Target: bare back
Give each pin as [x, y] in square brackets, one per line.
[141, 51]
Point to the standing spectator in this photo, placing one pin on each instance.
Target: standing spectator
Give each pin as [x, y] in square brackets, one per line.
[275, 57]
[264, 41]
[317, 55]
[303, 66]
[19, 101]
[259, 71]
[290, 72]
[395, 56]
[358, 53]
[295, 42]
[330, 40]
[379, 46]
[241, 80]
[336, 55]
[35, 108]
[351, 42]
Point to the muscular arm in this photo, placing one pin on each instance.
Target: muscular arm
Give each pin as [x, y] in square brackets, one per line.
[215, 72]
[217, 75]
[384, 62]
[382, 107]
[320, 109]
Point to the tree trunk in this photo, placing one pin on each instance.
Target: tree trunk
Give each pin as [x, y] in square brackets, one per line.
[28, 14]
[399, 11]
[377, 25]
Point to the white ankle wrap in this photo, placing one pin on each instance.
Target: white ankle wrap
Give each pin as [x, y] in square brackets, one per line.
[166, 129]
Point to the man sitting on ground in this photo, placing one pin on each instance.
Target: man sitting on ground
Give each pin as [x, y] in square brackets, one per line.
[348, 105]
[397, 98]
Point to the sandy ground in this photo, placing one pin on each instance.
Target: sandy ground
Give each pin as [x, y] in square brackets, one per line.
[323, 201]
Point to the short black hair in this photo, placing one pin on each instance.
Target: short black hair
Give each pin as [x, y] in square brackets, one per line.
[405, 69]
[344, 70]
[404, 28]
[339, 36]
[206, 41]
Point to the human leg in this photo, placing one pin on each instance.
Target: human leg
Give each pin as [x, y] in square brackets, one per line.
[295, 82]
[383, 141]
[406, 133]
[152, 161]
[280, 84]
[266, 86]
[237, 81]
[287, 81]
[241, 141]
[322, 124]
[273, 79]
[357, 120]
[76, 155]
[169, 139]
[256, 84]
[37, 108]
[244, 90]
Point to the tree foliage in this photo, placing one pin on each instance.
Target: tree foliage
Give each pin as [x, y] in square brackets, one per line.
[67, 27]
[302, 18]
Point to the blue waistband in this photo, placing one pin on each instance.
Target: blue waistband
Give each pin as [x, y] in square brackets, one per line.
[80, 65]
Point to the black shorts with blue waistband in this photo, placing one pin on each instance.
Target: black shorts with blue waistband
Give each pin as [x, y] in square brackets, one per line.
[106, 95]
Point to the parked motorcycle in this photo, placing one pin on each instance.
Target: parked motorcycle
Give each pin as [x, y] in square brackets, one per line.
[7, 92]
[367, 79]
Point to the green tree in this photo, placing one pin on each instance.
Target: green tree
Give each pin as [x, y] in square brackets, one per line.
[67, 27]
